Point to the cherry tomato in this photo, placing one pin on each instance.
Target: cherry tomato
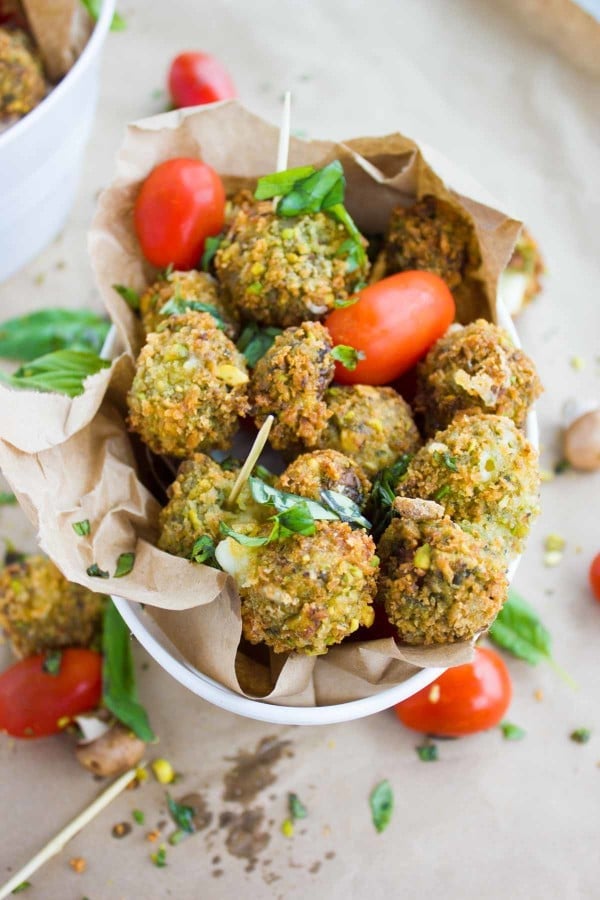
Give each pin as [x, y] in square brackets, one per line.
[394, 323]
[181, 203]
[463, 700]
[34, 703]
[198, 78]
[595, 576]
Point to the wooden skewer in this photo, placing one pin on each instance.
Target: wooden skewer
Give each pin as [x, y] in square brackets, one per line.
[251, 460]
[63, 837]
[283, 148]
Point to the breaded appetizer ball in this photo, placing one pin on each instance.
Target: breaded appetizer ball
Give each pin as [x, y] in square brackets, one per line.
[325, 470]
[284, 271]
[475, 368]
[371, 425]
[22, 82]
[289, 382]
[192, 286]
[189, 387]
[430, 235]
[40, 610]
[438, 583]
[306, 593]
[520, 283]
[484, 473]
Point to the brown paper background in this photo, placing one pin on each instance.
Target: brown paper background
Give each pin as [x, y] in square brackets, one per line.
[75, 462]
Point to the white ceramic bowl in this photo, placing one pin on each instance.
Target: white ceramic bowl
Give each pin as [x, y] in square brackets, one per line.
[166, 655]
[41, 157]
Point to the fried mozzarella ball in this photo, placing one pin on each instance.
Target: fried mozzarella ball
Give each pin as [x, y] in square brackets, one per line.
[182, 288]
[305, 593]
[289, 382]
[484, 472]
[475, 368]
[22, 82]
[325, 470]
[371, 425]
[284, 271]
[520, 283]
[40, 610]
[189, 388]
[438, 583]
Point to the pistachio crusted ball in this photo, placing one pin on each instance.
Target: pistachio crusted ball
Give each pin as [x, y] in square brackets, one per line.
[326, 470]
[284, 271]
[40, 610]
[371, 425]
[484, 472]
[308, 592]
[22, 83]
[179, 288]
[438, 583]
[475, 368]
[189, 387]
[289, 382]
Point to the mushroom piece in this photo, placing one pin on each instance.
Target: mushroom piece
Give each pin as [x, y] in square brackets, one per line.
[582, 441]
[112, 753]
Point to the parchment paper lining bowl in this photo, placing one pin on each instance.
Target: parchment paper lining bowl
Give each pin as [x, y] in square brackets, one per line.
[154, 640]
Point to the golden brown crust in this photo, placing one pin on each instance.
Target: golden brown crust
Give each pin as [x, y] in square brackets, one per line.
[191, 286]
[325, 470]
[22, 82]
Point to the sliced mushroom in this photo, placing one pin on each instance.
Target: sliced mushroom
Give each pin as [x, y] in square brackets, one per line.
[112, 753]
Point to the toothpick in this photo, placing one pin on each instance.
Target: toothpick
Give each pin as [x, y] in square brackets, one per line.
[252, 459]
[63, 837]
[284, 138]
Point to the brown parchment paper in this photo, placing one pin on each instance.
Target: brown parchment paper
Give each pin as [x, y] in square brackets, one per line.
[71, 459]
[61, 29]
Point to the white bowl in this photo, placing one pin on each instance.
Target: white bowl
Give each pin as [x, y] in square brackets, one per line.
[166, 655]
[41, 157]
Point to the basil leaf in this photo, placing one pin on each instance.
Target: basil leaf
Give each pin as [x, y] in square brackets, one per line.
[27, 337]
[119, 693]
[160, 857]
[52, 662]
[581, 735]
[382, 805]
[254, 342]
[94, 7]
[519, 630]
[349, 357]
[21, 887]
[345, 509]
[297, 520]
[321, 190]
[278, 184]
[118, 23]
[7, 499]
[131, 297]
[264, 493]
[383, 494]
[94, 571]
[182, 815]
[342, 304]
[177, 306]
[203, 551]
[340, 213]
[296, 807]
[511, 732]
[62, 372]
[354, 257]
[428, 752]
[83, 528]
[211, 245]
[125, 564]
[246, 540]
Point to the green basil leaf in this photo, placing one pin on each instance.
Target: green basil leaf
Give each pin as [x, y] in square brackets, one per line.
[211, 245]
[512, 732]
[182, 815]
[62, 372]
[297, 520]
[382, 805]
[203, 552]
[296, 807]
[94, 8]
[118, 23]
[138, 816]
[7, 499]
[428, 752]
[354, 253]
[348, 356]
[118, 676]
[323, 189]
[383, 494]
[581, 735]
[254, 342]
[278, 184]
[519, 630]
[345, 509]
[125, 564]
[160, 857]
[265, 493]
[246, 540]
[27, 337]
[21, 887]
[177, 306]
[52, 662]
[342, 304]
[131, 297]
[94, 571]
[83, 528]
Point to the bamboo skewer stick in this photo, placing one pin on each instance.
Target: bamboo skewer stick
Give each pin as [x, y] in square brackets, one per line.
[251, 460]
[283, 147]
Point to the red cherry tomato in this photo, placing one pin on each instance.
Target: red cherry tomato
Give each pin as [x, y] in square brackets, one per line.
[181, 203]
[595, 576]
[197, 78]
[34, 703]
[394, 323]
[463, 700]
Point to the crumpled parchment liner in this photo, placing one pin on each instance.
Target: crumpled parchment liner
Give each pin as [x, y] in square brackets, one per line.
[61, 29]
[71, 459]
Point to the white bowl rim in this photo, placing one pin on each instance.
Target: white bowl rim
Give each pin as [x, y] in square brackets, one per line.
[146, 631]
[29, 121]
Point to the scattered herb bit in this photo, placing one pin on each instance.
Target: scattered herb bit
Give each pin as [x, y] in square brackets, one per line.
[163, 771]
[554, 543]
[118, 676]
[176, 837]
[446, 459]
[125, 564]
[512, 732]
[7, 499]
[254, 342]
[348, 357]
[563, 465]
[203, 551]
[287, 828]
[577, 363]
[442, 492]
[82, 528]
[131, 297]
[296, 807]
[160, 857]
[94, 8]
[342, 304]
[21, 887]
[345, 509]
[382, 805]
[94, 571]
[428, 752]
[581, 735]
[182, 815]
[138, 816]
[280, 183]
[379, 509]
[52, 662]
[211, 245]
[37, 334]
[62, 372]
[247, 540]
[177, 306]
